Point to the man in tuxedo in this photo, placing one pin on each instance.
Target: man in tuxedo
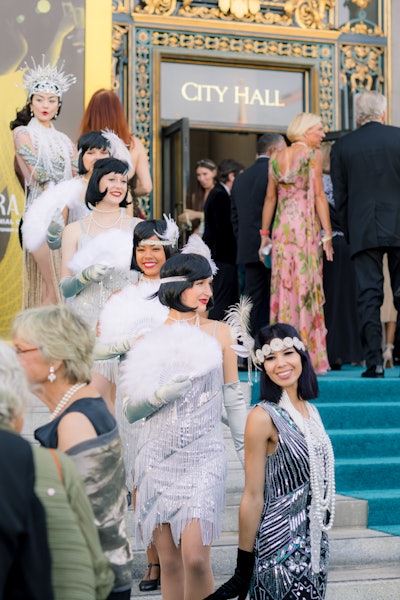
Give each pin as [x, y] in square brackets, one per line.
[218, 235]
[365, 171]
[247, 201]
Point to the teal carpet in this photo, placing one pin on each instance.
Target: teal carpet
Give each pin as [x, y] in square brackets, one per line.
[362, 417]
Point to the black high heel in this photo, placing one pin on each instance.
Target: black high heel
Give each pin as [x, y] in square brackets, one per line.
[147, 584]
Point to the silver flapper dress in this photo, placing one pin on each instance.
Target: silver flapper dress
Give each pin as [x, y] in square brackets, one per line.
[89, 303]
[49, 154]
[180, 468]
[283, 568]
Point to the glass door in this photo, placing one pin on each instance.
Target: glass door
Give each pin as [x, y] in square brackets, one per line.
[175, 167]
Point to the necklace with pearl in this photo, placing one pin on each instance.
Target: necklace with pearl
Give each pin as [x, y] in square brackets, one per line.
[65, 399]
[322, 473]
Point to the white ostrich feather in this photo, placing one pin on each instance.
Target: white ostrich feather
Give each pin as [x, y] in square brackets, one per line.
[117, 147]
[238, 319]
[131, 314]
[195, 245]
[38, 216]
[165, 352]
[171, 234]
[112, 248]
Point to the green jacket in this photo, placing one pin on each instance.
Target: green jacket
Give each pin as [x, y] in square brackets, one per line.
[80, 571]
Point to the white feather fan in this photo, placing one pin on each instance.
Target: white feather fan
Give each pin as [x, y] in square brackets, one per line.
[167, 351]
[38, 216]
[130, 313]
[112, 248]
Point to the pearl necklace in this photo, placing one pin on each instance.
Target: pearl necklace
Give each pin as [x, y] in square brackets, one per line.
[92, 219]
[195, 318]
[65, 399]
[322, 472]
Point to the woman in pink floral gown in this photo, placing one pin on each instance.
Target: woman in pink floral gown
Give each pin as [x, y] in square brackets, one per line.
[295, 190]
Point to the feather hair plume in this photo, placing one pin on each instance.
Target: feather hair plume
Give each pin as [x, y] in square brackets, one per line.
[171, 233]
[195, 245]
[118, 148]
[238, 319]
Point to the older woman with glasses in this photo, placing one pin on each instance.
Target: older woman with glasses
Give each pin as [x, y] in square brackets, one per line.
[55, 347]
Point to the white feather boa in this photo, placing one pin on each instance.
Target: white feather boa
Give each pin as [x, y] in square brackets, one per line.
[112, 248]
[39, 214]
[167, 351]
[130, 314]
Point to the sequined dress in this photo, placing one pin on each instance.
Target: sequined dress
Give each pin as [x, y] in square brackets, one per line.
[282, 547]
[180, 468]
[48, 156]
[297, 295]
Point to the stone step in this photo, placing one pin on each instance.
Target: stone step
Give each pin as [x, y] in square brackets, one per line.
[339, 415]
[367, 473]
[372, 442]
[378, 583]
[350, 548]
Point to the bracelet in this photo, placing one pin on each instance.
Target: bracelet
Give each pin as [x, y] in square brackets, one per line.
[264, 232]
[326, 238]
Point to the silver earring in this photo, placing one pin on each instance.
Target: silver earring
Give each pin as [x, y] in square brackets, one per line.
[31, 113]
[51, 376]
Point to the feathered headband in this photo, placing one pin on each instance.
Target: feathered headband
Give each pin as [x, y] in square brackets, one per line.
[170, 236]
[46, 79]
[195, 245]
[117, 147]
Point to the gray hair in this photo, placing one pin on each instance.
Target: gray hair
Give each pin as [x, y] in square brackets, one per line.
[60, 334]
[369, 106]
[14, 388]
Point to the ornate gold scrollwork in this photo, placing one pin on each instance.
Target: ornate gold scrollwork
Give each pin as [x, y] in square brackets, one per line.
[362, 67]
[307, 14]
[122, 6]
[362, 28]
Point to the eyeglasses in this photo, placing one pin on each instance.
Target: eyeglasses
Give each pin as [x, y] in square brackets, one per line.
[24, 350]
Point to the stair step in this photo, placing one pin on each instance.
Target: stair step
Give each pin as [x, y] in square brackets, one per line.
[341, 415]
[369, 473]
[380, 583]
[359, 443]
[382, 505]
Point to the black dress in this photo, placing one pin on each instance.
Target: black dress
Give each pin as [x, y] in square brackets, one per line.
[341, 317]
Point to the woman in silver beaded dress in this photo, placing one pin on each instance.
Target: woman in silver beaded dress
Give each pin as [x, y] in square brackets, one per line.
[177, 378]
[43, 155]
[288, 503]
[97, 252]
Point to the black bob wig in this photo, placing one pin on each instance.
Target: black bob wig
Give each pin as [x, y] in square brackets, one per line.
[145, 230]
[102, 167]
[307, 384]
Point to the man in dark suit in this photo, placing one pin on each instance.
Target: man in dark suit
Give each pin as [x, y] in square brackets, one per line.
[247, 201]
[365, 171]
[218, 235]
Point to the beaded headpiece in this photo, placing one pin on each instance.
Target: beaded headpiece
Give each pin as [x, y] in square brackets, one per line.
[169, 237]
[46, 79]
[277, 345]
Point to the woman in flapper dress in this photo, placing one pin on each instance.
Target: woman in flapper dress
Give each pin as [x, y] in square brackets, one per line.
[96, 255]
[288, 503]
[178, 377]
[43, 155]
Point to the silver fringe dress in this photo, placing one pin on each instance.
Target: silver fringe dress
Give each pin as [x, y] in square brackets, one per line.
[180, 468]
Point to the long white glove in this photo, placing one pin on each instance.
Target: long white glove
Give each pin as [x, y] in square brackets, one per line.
[134, 411]
[55, 230]
[104, 351]
[71, 286]
[236, 412]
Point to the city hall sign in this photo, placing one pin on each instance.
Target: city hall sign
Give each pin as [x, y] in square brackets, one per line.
[229, 95]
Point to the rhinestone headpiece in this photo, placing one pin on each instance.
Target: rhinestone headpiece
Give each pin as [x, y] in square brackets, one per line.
[46, 79]
[276, 345]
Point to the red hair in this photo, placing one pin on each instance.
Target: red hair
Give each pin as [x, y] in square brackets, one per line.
[105, 111]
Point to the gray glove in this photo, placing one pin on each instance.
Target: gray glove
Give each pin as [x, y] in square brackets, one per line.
[105, 351]
[55, 230]
[71, 286]
[134, 411]
[236, 412]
